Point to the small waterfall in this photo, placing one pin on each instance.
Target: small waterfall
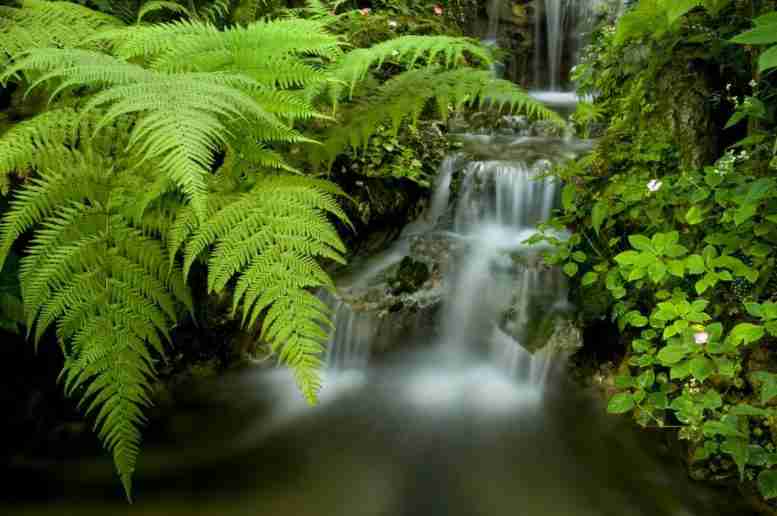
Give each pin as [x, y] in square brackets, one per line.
[500, 284]
[349, 345]
[494, 11]
[556, 12]
[507, 193]
[561, 27]
[355, 330]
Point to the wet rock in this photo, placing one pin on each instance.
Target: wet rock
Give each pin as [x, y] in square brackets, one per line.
[566, 337]
[410, 276]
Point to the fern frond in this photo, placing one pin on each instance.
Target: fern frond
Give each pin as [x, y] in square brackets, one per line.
[40, 23]
[109, 289]
[445, 51]
[407, 95]
[183, 118]
[269, 239]
[161, 5]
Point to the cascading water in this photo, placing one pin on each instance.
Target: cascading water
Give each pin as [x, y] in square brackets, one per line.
[559, 32]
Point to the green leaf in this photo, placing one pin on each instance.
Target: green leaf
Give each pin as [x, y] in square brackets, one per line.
[737, 117]
[672, 354]
[767, 484]
[646, 379]
[657, 271]
[702, 368]
[695, 264]
[641, 243]
[694, 216]
[746, 333]
[620, 403]
[744, 213]
[726, 429]
[570, 269]
[568, 195]
[679, 8]
[627, 258]
[589, 278]
[760, 35]
[707, 281]
[768, 385]
[743, 409]
[739, 450]
[579, 256]
[680, 371]
[599, 213]
[624, 381]
[766, 19]
[768, 59]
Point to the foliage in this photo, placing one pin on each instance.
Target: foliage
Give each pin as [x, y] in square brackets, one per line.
[682, 258]
[39, 23]
[412, 153]
[167, 147]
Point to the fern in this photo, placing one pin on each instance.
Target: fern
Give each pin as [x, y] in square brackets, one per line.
[269, 239]
[39, 23]
[409, 50]
[409, 94]
[183, 117]
[106, 285]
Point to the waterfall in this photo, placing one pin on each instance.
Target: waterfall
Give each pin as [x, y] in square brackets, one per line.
[555, 13]
[500, 206]
[354, 330]
[559, 39]
[494, 8]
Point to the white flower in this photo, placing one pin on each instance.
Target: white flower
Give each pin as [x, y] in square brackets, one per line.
[752, 83]
[654, 185]
[701, 337]
[393, 24]
[728, 87]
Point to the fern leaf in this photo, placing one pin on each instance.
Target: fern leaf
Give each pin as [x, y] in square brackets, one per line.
[270, 239]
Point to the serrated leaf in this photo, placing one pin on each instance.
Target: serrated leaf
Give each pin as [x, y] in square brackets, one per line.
[702, 368]
[672, 354]
[746, 333]
[621, 403]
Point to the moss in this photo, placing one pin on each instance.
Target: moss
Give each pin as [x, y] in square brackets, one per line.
[410, 276]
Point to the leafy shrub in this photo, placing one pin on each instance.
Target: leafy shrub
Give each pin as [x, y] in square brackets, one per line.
[685, 256]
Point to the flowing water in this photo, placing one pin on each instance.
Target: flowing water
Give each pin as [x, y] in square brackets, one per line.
[560, 31]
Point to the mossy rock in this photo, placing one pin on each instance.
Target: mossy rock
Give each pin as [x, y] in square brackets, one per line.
[410, 276]
[683, 110]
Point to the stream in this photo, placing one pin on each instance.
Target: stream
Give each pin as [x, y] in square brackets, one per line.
[469, 415]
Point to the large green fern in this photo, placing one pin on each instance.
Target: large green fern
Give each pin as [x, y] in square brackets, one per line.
[268, 240]
[93, 272]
